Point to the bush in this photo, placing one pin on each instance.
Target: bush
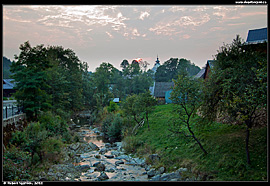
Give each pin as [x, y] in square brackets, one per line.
[15, 162]
[131, 143]
[51, 148]
[112, 127]
[115, 129]
[112, 107]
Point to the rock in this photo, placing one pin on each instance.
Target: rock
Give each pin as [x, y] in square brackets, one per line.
[103, 176]
[170, 176]
[103, 151]
[97, 156]
[83, 168]
[154, 157]
[151, 173]
[156, 178]
[74, 146]
[93, 146]
[182, 170]
[109, 156]
[100, 167]
[161, 170]
[110, 170]
[119, 162]
[115, 153]
[96, 164]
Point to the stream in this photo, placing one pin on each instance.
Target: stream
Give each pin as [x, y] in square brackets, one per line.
[109, 163]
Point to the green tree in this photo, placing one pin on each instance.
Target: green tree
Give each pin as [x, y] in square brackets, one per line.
[237, 85]
[102, 80]
[30, 74]
[186, 96]
[124, 64]
[147, 103]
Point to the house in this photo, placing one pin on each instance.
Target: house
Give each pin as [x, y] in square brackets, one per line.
[209, 66]
[257, 40]
[160, 89]
[8, 87]
[257, 36]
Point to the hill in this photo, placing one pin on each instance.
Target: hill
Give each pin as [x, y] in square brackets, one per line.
[225, 161]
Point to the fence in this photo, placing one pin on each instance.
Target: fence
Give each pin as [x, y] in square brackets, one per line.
[11, 110]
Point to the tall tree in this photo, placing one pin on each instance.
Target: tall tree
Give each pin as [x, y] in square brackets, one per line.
[29, 71]
[186, 96]
[237, 85]
[102, 80]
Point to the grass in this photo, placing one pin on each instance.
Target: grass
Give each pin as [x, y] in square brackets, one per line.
[225, 144]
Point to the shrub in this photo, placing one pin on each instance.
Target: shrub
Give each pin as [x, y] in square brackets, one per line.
[15, 162]
[112, 107]
[51, 148]
[131, 143]
[115, 129]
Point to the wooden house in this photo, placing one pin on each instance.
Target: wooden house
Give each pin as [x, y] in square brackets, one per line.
[160, 89]
[209, 66]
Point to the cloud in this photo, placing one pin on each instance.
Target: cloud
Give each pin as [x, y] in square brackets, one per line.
[110, 35]
[176, 25]
[144, 15]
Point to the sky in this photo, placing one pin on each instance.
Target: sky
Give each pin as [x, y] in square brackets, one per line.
[112, 33]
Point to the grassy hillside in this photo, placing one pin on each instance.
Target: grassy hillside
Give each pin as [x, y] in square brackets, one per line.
[226, 158]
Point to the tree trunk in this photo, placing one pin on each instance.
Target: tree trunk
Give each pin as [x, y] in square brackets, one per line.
[193, 136]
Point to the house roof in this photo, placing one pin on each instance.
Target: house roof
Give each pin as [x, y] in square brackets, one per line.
[211, 63]
[200, 74]
[161, 87]
[8, 84]
[257, 36]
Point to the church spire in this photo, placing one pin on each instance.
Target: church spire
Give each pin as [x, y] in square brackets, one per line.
[157, 61]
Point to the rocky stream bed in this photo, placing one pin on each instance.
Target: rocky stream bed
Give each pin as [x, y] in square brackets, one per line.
[91, 159]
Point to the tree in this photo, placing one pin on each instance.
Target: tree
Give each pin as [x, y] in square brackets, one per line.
[172, 67]
[102, 80]
[30, 74]
[186, 96]
[124, 64]
[147, 103]
[237, 85]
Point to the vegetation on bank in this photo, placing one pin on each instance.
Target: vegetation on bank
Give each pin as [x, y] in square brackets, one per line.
[225, 160]
[37, 147]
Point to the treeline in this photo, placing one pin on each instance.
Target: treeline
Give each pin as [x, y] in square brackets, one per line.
[173, 67]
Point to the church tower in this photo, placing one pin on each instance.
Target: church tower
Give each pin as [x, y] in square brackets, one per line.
[157, 64]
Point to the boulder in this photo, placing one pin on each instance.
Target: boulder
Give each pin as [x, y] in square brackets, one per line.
[161, 170]
[82, 168]
[154, 157]
[119, 162]
[109, 156]
[103, 176]
[151, 173]
[100, 167]
[93, 146]
[103, 151]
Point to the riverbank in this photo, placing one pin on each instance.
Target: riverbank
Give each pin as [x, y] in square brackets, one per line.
[91, 159]
[225, 144]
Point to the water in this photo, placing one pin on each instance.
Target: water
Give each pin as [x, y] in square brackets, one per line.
[121, 172]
